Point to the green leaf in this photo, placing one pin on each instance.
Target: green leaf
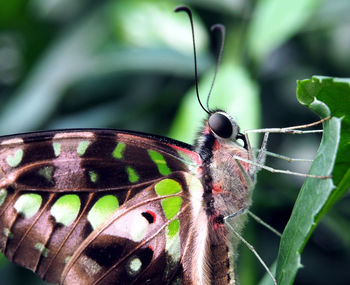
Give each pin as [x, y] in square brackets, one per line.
[274, 22]
[326, 97]
[3, 260]
[140, 27]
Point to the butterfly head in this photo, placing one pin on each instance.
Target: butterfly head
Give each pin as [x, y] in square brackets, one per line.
[223, 126]
[219, 146]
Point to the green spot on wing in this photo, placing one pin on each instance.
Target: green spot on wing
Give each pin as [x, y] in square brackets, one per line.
[41, 248]
[56, 148]
[173, 240]
[28, 204]
[66, 260]
[66, 209]
[159, 160]
[82, 147]
[173, 228]
[46, 172]
[167, 187]
[15, 159]
[118, 152]
[3, 195]
[103, 208]
[7, 233]
[132, 174]
[171, 206]
[93, 176]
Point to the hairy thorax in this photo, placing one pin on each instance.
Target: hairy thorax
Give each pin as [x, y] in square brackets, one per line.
[232, 180]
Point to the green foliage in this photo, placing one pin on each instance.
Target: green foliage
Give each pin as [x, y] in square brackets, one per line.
[326, 97]
[335, 93]
[275, 21]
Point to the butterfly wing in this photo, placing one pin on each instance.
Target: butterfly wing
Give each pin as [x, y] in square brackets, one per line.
[96, 206]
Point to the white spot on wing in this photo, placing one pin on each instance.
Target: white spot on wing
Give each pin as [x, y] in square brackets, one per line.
[9, 179]
[74, 135]
[7, 233]
[56, 148]
[173, 247]
[134, 266]
[138, 227]
[12, 141]
[90, 266]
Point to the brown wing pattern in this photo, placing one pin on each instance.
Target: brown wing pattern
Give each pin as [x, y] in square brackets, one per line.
[94, 207]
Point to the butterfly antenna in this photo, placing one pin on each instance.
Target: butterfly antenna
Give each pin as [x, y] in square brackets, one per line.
[218, 60]
[189, 13]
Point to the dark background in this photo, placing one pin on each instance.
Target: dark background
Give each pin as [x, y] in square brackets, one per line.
[129, 65]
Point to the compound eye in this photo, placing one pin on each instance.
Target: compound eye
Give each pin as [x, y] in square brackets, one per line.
[220, 125]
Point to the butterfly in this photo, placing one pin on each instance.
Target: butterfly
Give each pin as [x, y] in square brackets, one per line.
[101, 206]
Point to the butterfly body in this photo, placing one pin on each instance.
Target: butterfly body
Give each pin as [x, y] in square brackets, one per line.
[114, 207]
[225, 191]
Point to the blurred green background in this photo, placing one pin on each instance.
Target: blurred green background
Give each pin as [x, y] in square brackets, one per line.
[129, 65]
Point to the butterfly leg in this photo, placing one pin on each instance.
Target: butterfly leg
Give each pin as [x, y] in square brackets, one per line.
[262, 153]
[241, 211]
[256, 218]
[260, 160]
[273, 170]
[291, 130]
[289, 159]
[252, 249]
[266, 225]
